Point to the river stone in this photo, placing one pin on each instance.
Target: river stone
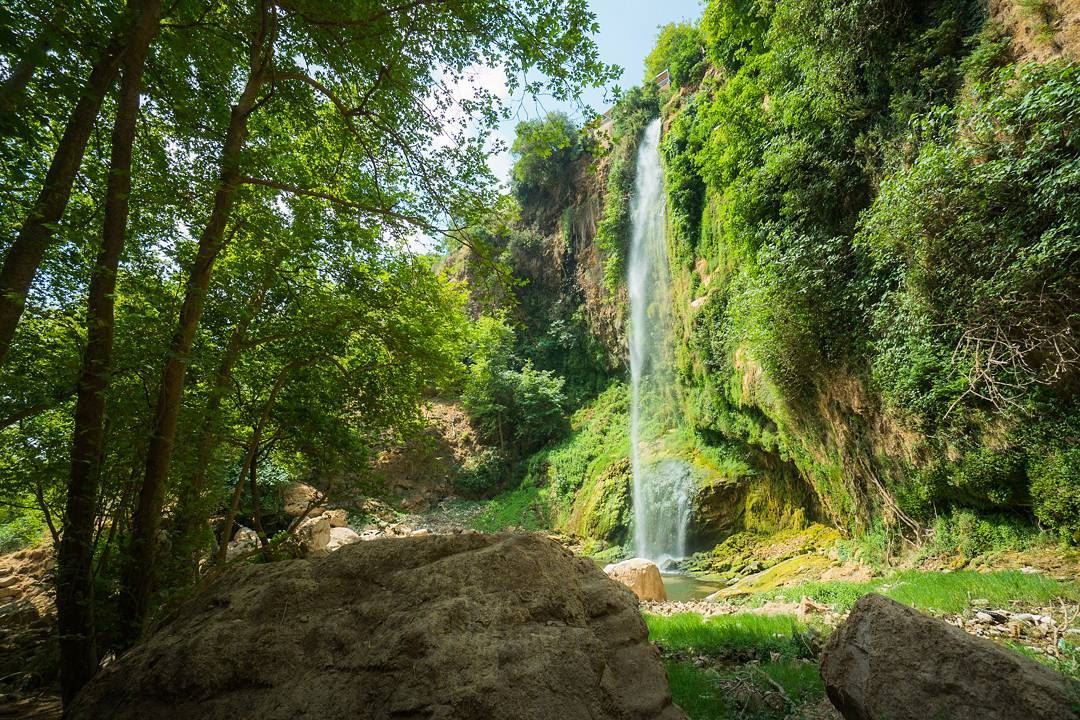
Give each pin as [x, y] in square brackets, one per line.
[640, 575]
[890, 662]
[449, 627]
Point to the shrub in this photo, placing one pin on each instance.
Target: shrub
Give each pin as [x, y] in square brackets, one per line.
[546, 150]
[680, 50]
[1055, 492]
[482, 473]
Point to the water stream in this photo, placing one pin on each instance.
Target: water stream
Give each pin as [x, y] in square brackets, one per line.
[663, 488]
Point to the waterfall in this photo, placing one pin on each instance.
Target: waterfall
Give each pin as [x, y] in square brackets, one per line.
[663, 489]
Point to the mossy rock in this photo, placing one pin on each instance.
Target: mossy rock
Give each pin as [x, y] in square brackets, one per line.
[793, 571]
[602, 509]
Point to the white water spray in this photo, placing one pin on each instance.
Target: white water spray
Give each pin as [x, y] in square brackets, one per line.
[662, 490]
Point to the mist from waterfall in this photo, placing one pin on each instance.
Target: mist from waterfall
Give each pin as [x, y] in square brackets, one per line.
[663, 489]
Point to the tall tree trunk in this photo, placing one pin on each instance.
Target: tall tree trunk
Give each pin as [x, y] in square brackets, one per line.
[251, 454]
[190, 514]
[13, 89]
[137, 577]
[74, 597]
[28, 249]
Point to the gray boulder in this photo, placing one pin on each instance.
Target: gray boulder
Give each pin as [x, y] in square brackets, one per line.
[890, 662]
[450, 627]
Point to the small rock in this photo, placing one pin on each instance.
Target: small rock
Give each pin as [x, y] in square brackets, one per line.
[342, 536]
[420, 532]
[338, 518]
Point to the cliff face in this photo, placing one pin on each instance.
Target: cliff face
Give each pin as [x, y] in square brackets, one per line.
[873, 230]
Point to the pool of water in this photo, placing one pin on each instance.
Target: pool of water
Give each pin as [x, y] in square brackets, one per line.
[683, 588]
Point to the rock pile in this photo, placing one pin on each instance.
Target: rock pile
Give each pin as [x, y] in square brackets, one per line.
[27, 619]
[447, 627]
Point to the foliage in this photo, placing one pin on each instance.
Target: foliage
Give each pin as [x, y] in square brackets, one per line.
[518, 408]
[481, 473]
[1055, 490]
[546, 152]
[20, 528]
[679, 49]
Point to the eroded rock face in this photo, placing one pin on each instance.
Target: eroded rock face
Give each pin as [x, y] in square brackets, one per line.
[641, 576]
[447, 627]
[890, 662]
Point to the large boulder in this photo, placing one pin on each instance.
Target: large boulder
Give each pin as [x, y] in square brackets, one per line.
[890, 662]
[301, 499]
[641, 576]
[446, 627]
[313, 536]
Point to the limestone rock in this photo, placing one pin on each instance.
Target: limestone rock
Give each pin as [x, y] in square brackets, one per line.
[300, 499]
[890, 662]
[640, 575]
[447, 627]
[245, 540]
[313, 535]
[342, 536]
[338, 518]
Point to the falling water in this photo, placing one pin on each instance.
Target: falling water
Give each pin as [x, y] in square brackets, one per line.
[662, 488]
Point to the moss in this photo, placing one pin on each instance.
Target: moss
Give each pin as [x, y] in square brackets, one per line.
[792, 571]
[602, 508]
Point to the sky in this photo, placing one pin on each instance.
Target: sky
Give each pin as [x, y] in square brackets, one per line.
[627, 34]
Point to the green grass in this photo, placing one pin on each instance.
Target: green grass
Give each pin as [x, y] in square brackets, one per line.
[936, 592]
[697, 691]
[743, 636]
[707, 694]
[525, 507]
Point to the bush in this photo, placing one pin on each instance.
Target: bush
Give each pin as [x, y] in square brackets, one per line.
[482, 473]
[1055, 492]
[19, 529]
[680, 50]
[546, 150]
[519, 410]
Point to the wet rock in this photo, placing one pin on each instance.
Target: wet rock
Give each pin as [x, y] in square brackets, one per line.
[641, 576]
[452, 627]
[890, 662]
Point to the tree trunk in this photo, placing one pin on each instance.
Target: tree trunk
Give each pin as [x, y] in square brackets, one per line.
[190, 513]
[250, 455]
[74, 596]
[138, 576]
[28, 249]
[13, 89]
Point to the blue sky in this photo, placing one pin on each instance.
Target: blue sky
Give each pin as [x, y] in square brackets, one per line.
[628, 31]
